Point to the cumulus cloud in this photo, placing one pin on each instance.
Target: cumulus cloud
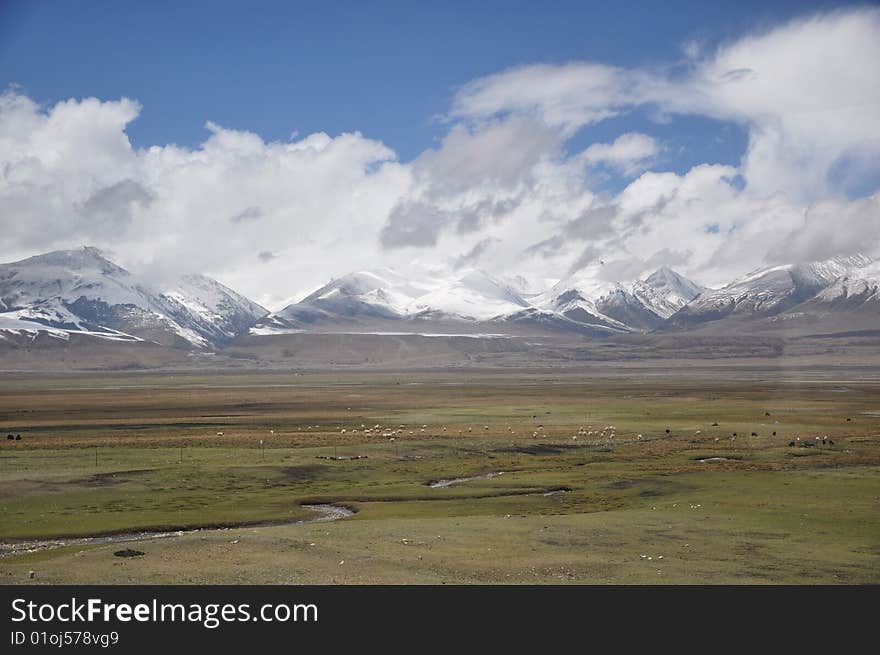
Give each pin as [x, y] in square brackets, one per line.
[69, 175]
[808, 91]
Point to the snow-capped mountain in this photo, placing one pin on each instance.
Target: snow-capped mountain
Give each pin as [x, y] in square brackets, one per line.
[586, 298]
[365, 297]
[583, 303]
[767, 291]
[857, 287]
[578, 296]
[211, 310]
[664, 292]
[852, 302]
[82, 291]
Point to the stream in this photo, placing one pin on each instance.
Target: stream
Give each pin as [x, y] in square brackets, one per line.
[438, 484]
[8, 549]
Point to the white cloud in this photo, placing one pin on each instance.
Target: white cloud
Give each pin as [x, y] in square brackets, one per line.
[67, 170]
[830, 227]
[808, 91]
[568, 96]
[629, 153]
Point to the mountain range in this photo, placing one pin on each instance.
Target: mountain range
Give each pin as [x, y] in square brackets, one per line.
[82, 292]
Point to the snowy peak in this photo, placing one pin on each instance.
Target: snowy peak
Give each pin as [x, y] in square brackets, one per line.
[474, 295]
[66, 275]
[859, 285]
[644, 305]
[583, 302]
[820, 274]
[769, 291]
[388, 295]
[587, 283]
[360, 283]
[580, 296]
[380, 293]
[671, 285]
[211, 309]
[665, 291]
[83, 291]
[85, 258]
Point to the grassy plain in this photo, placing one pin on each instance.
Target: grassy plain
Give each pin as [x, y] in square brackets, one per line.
[110, 453]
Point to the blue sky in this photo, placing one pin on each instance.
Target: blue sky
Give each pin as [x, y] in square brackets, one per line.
[277, 144]
[386, 69]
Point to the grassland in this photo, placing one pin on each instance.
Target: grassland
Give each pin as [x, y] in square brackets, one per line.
[672, 496]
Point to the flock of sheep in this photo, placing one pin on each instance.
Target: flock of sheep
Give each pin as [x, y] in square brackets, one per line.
[605, 433]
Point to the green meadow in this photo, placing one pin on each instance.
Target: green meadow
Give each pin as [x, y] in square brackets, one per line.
[580, 477]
